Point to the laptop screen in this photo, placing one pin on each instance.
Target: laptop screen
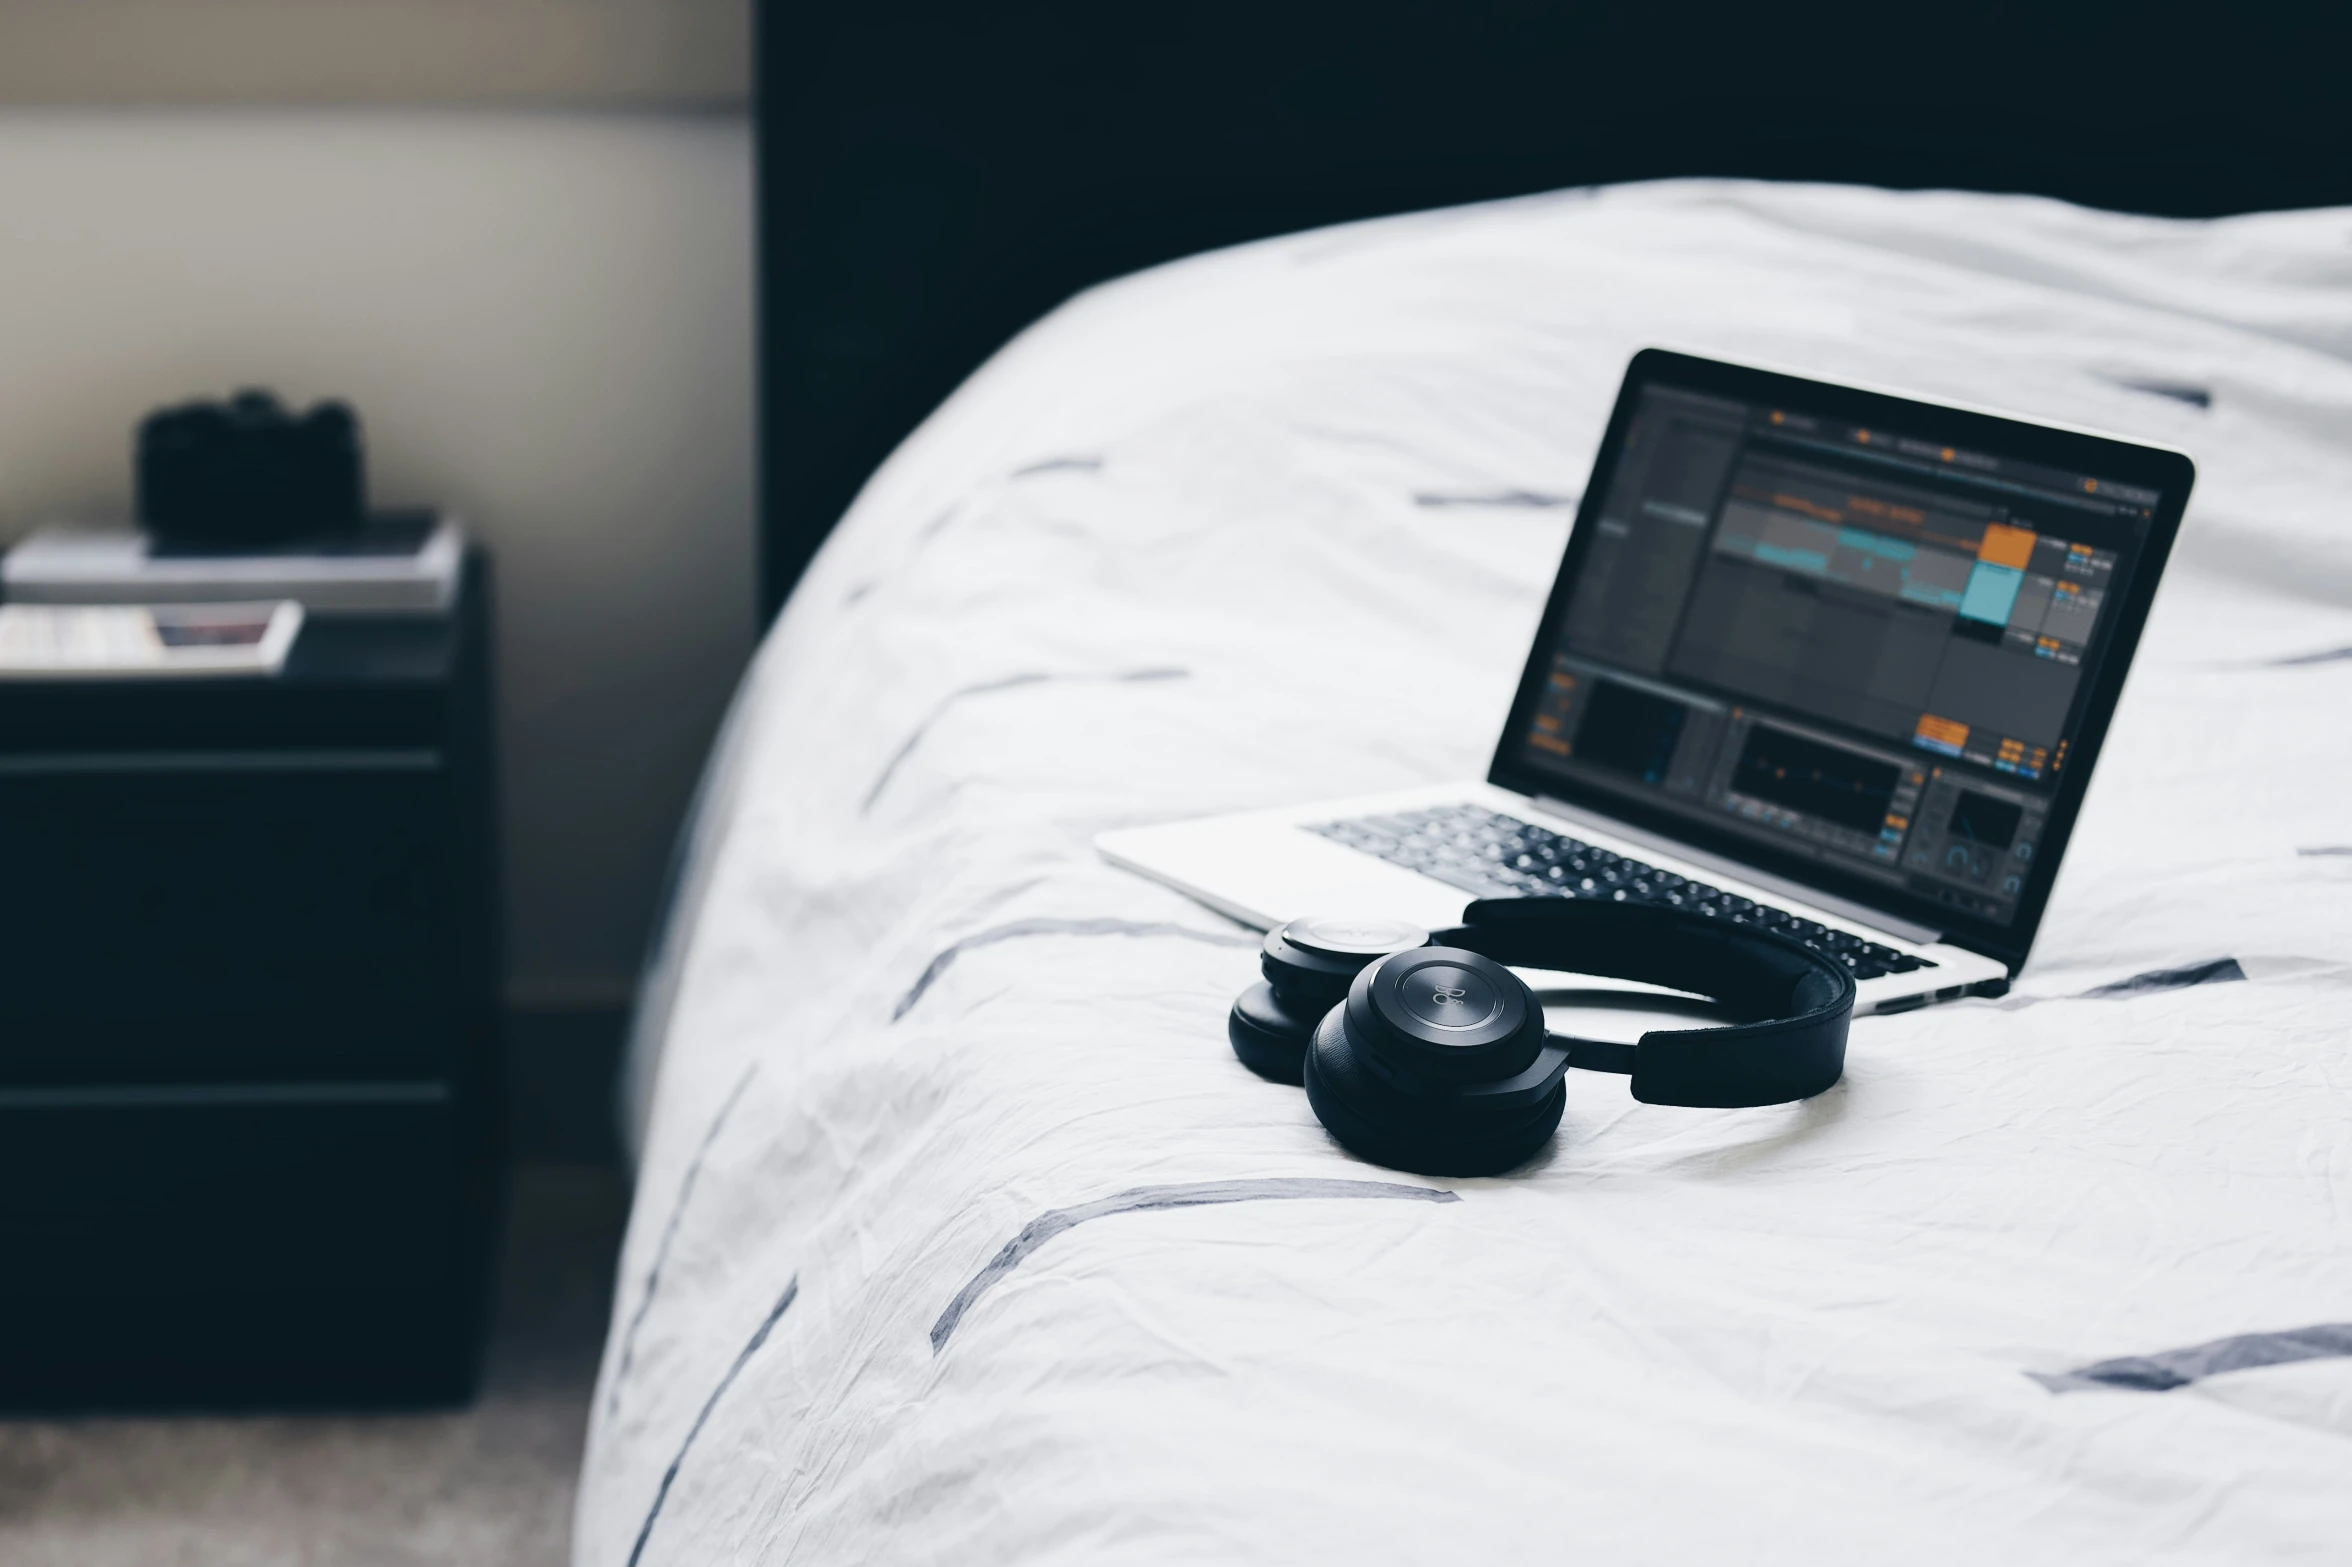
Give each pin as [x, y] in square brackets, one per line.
[1859, 647]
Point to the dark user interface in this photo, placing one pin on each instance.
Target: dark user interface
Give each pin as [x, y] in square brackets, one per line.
[1858, 645]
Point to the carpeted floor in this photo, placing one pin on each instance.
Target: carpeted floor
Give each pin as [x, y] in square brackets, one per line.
[488, 1485]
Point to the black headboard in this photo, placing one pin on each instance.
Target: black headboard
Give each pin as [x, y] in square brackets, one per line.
[935, 174]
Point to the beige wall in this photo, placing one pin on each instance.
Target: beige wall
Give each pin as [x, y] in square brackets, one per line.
[544, 318]
[571, 53]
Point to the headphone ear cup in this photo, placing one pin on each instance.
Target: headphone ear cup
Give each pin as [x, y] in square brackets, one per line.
[1269, 1033]
[1377, 1121]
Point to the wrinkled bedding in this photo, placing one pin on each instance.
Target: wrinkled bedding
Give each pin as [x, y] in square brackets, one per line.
[961, 1236]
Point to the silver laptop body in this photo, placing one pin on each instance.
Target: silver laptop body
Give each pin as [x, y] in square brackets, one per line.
[1819, 658]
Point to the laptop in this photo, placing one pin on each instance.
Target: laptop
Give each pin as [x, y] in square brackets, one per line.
[1822, 660]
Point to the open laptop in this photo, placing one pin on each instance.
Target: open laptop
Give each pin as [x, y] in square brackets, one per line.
[1824, 660]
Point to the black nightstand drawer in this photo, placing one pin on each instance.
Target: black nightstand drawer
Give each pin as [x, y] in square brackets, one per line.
[198, 1190]
[273, 1244]
[217, 916]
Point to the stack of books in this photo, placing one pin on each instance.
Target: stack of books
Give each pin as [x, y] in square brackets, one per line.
[101, 641]
[397, 563]
[95, 602]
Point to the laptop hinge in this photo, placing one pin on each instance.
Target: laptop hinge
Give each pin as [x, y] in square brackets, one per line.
[1861, 914]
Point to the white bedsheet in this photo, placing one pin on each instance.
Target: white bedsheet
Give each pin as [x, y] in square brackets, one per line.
[1277, 523]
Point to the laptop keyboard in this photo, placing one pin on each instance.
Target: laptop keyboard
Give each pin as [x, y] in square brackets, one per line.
[1489, 855]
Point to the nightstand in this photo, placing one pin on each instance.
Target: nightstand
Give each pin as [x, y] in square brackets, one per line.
[250, 1107]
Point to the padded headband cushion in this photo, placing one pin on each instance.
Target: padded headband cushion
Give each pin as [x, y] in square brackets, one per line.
[1794, 1004]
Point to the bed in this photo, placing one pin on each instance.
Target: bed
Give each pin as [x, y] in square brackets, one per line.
[961, 1235]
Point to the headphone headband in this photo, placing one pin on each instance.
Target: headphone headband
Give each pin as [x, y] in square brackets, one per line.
[1794, 1004]
[1437, 1059]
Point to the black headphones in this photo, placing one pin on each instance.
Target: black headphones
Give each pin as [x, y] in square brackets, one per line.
[1425, 1052]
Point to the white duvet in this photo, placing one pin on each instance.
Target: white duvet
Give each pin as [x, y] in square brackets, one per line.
[2059, 1278]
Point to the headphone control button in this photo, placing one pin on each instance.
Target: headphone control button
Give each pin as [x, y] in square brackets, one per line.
[1444, 996]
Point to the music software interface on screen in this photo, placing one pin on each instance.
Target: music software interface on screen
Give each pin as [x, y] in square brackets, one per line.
[1858, 645]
